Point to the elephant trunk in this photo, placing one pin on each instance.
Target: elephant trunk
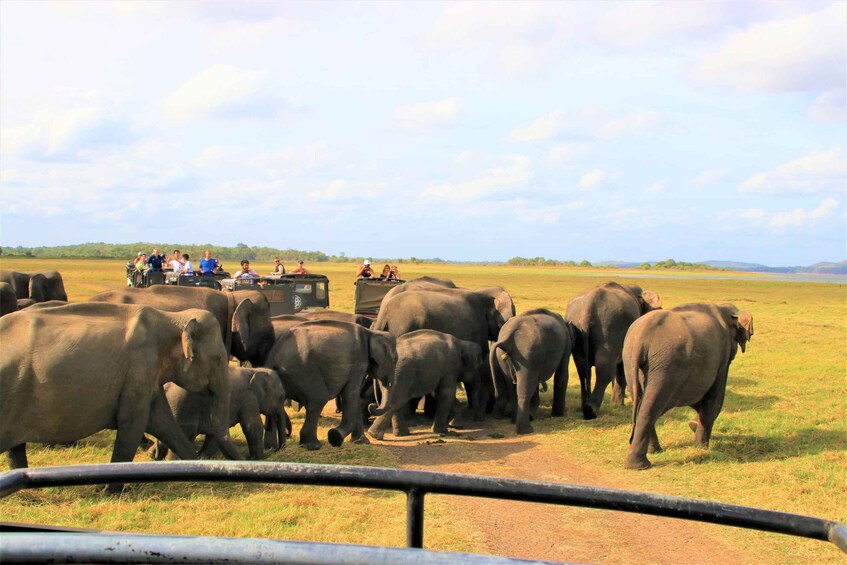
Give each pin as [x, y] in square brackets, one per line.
[283, 425]
[219, 408]
[381, 410]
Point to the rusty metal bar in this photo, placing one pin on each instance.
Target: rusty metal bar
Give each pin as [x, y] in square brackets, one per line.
[429, 482]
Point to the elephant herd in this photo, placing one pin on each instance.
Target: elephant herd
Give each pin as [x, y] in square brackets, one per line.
[157, 361]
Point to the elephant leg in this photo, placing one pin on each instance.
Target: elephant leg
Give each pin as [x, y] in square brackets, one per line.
[583, 370]
[446, 398]
[644, 419]
[254, 432]
[17, 457]
[351, 420]
[653, 445]
[430, 406]
[271, 434]
[527, 386]
[560, 388]
[454, 420]
[619, 386]
[209, 448]
[707, 413]
[605, 374]
[380, 424]
[399, 425]
[158, 451]
[338, 404]
[164, 427]
[309, 431]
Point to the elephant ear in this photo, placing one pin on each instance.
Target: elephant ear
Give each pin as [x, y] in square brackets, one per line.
[189, 335]
[37, 288]
[743, 328]
[260, 386]
[241, 324]
[650, 301]
[382, 352]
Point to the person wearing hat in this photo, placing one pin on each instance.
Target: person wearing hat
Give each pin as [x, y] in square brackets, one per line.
[300, 269]
[365, 270]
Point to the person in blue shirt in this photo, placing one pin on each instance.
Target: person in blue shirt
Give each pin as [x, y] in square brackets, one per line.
[208, 265]
[156, 260]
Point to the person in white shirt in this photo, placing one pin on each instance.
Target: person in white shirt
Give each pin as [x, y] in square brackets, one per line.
[187, 267]
[246, 272]
[176, 262]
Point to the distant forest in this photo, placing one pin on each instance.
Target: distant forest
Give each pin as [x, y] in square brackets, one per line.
[233, 254]
[669, 264]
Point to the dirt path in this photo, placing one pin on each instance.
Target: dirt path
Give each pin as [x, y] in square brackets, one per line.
[546, 532]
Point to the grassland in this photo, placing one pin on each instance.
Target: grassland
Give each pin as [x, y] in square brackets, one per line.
[780, 442]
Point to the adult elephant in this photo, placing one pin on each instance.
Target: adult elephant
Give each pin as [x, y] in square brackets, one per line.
[8, 299]
[70, 371]
[243, 317]
[285, 321]
[424, 282]
[531, 347]
[40, 286]
[253, 393]
[471, 315]
[427, 361]
[601, 316]
[680, 357]
[318, 360]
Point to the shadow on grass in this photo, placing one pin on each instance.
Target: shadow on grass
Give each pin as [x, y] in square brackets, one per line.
[746, 448]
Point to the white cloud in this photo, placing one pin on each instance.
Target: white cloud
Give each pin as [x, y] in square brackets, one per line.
[511, 175]
[542, 129]
[631, 124]
[597, 178]
[224, 91]
[427, 116]
[338, 190]
[831, 106]
[802, 53]
[73, 135]
[753, 214]
[628, 24]
[567, 153]
[800, 217]
[815, 172]
[657, 187]
[709, 176]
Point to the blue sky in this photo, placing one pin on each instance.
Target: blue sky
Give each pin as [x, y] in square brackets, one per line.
[465, 131]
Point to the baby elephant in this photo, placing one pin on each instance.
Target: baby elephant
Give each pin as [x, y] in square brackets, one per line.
[427, 361]
[680, 357]
[530, 348]
[252, 392]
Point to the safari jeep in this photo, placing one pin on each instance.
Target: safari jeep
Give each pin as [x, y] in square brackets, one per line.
[369, 294]
[287, 294]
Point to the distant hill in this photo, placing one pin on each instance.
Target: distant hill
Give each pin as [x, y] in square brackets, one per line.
[823, 268]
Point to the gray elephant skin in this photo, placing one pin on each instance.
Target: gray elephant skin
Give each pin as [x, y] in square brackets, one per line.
[243, 317]
[40, 286]
[427, 361]
[253, 393]
[680, 357]
[531, 347]
[318, 360]
[418, 283]
[471, 315]
[68, 372]
[284, 321]
[8, 299]
[601, 317]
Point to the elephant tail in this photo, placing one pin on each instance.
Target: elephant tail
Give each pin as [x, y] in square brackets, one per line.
[636, 378]
[499, 359]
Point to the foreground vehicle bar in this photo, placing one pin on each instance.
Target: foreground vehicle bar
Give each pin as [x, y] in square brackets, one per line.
[416, 484]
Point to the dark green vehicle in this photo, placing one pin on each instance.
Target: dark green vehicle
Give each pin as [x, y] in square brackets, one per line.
[369, 294]
[287, 294]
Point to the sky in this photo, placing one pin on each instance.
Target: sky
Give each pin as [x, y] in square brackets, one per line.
[632, 131]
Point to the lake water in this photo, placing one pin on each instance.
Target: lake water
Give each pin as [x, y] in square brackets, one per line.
[789, 277]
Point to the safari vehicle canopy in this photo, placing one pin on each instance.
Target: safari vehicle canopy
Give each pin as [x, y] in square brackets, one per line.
[370, 292]
[287, 294]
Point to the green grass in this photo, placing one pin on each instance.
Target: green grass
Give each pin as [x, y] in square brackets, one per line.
[780, 442]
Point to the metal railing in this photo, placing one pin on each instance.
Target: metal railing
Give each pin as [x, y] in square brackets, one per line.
[416, 485]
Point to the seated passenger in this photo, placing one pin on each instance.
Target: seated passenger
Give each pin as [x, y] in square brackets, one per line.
[394, 273]
[386, 272]
[365, 270]
[246, 272]
[176, 261]
[208, 264]
[279, 268]
[187, 267]
[300, 269]
[156, 260]
[141, 262]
